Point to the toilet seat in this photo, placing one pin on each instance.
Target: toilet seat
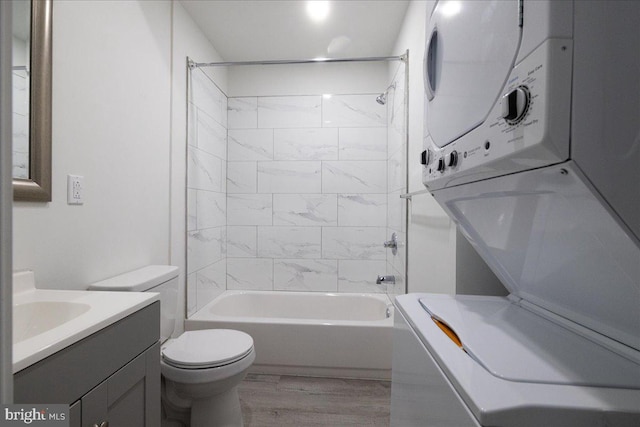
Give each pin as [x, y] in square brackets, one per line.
[208, 348]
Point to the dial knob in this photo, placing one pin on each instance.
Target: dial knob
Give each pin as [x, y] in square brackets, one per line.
[425, 158]
[515, 105]
[452, 159]
[441, 164]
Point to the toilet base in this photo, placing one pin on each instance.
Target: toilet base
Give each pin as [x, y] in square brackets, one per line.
[202, 405]
[222, 410]
[176, 411]
[203, 397]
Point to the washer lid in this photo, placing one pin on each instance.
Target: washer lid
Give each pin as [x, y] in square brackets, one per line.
[471, 49]
[514, 344]
[207, 348]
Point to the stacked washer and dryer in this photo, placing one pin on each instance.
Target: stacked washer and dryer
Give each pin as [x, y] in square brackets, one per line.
[532, 146]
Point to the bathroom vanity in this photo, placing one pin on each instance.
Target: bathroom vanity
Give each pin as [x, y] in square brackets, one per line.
[97, 352]
[111, 376]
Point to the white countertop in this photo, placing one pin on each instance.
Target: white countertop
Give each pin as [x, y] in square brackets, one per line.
[98, 310]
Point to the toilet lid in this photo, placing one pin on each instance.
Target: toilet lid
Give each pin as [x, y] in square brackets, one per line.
[207, 348]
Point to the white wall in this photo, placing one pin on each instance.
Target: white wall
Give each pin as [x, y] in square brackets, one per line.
[111, 124]
[431, 234]
[119, 119]
[20, 52]
[307, 79]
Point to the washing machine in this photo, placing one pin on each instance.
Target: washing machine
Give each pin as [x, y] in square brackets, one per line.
[532, 147]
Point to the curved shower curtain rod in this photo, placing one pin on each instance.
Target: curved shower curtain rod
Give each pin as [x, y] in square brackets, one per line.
[192, 64]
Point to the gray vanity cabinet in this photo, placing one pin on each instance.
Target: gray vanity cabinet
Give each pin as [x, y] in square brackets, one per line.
[126, 399]
[111, 378]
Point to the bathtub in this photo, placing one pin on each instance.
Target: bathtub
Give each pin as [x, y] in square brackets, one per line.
[308, 333]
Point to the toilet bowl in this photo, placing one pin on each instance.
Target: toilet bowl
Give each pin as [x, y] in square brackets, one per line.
[200, 369]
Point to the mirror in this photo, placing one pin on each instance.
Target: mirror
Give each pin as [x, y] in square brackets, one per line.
[32, 100]
[21, 37]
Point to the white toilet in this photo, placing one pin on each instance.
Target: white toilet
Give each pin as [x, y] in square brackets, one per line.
[201, 369]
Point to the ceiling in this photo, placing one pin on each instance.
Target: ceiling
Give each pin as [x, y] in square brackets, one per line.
[243, 30]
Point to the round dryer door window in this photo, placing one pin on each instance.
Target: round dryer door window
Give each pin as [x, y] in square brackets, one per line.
[471, 47]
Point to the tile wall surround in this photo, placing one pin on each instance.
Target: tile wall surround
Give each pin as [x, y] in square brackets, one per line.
[306, 193]
[206, 192]
[293, 193]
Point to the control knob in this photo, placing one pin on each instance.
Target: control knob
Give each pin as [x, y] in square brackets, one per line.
[441, 164]
[452, 159]
[515, 105]
[425, 157]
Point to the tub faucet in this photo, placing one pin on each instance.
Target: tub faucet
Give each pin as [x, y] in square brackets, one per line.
[386, 279]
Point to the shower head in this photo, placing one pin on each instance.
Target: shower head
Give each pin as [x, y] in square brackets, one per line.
[382, 98]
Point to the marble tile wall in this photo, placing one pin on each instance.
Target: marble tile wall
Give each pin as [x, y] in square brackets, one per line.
[293, 193]
[307, 188]
[206, 192]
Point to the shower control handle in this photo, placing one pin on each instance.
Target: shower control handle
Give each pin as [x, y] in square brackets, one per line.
[392, 244]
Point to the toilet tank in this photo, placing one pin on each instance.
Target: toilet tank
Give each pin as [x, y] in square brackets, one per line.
[162, 279]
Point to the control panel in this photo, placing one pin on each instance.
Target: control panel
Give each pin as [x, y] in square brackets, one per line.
[528, 127]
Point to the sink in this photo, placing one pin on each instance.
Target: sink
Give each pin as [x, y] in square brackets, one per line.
[46, 321]
[33, 318]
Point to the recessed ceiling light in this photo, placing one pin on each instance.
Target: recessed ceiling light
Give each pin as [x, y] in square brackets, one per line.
[318, 10]
[451, 8]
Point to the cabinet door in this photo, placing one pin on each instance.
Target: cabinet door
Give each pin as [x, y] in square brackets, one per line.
[75, 414]
[128, 398]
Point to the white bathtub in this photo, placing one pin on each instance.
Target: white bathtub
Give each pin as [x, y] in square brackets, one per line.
[308, 333]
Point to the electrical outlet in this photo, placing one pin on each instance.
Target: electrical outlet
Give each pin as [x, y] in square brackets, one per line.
[75, 189]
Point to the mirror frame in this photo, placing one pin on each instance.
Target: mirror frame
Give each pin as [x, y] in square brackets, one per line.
[38, 187]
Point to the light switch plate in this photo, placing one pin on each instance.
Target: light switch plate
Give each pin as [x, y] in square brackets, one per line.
[75, 189]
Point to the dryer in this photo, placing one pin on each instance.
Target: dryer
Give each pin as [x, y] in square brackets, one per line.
[532, 146]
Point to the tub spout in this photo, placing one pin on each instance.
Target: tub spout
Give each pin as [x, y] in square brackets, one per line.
[386, 279]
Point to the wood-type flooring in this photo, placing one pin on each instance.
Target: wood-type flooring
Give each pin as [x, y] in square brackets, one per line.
[282, 400]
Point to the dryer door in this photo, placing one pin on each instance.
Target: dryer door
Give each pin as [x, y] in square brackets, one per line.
[471, 49]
